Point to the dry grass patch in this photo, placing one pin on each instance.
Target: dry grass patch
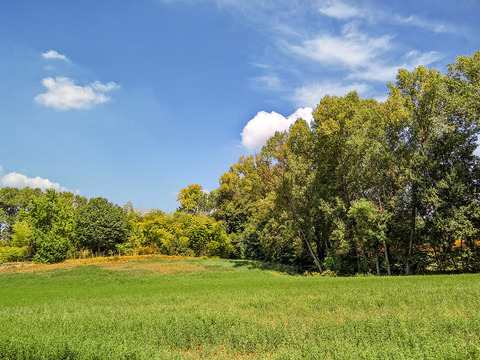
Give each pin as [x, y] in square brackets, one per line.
[159, 268]
[157, 264]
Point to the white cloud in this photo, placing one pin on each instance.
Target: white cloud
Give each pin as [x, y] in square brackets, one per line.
[339, 10]
[97, 85]
[52, 54]
[21, 181]
[431, 25]
[352, 49]
[378, 72]
[268, 82]
[415, 58]
[310, 95]
[264, 125]
[63, 94]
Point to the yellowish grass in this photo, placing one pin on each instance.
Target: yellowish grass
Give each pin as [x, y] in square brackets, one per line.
[119, 263]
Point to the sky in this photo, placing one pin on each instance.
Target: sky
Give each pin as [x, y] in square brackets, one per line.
[133, 100]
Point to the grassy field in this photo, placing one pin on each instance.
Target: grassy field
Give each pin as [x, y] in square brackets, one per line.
[163, 308]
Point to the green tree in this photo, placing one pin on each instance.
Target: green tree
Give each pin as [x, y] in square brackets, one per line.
[12, 202]
[100, 225]
[50, 231]
[421, 92]
[193, 200]
[370, 224]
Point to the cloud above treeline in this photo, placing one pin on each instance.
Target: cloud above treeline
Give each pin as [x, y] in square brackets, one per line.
[327, 47]
[264, 125]
[52, 54]
[63, 94]
[21, 181]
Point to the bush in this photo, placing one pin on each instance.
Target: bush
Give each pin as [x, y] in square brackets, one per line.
[13, 253]
[328, 273]
[176, 245]
[51, 249]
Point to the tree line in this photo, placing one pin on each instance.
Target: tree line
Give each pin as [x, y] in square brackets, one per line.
[384, 187]
[49, 227]
[389, 187]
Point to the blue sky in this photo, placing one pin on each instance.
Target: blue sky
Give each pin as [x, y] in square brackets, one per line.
[134, 100]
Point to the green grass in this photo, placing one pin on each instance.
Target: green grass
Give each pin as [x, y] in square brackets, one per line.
[224, 309]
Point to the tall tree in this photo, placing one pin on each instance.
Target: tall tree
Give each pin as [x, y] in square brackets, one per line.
[50, 219]
[100, 225]
[421, 92]
[193, 200]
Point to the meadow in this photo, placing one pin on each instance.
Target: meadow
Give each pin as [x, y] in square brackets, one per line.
[168, 308]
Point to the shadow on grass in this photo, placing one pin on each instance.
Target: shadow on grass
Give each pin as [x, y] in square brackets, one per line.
[255, 264]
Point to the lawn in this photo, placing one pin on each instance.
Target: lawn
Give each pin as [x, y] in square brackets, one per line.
[165, 308]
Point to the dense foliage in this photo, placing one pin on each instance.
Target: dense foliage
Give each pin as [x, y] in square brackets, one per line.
[389, 187]
[100, 225]
[50, 227]
[368, 186]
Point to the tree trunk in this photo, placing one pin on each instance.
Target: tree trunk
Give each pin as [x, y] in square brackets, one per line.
[387, 258]
[408, 271]
[303, 236]
[377, 263]
[315, 258]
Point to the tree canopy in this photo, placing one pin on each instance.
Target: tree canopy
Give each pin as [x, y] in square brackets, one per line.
[386, 187]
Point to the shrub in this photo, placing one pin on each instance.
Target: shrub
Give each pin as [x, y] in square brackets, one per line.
[51, 249]
[13, 253]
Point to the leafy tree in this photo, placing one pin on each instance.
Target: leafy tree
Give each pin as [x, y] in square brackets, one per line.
[193, 200]
[421, 92]
[100, 225]
[369, 227]
[12, 202]
[48, 225]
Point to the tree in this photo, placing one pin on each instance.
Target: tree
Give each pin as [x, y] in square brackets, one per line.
[343, 136]
[286, 165]
[48, 226]
[193, 200]
[100, 225]
[12, 202]
[400, 176]
[421, 92]
[369, 227]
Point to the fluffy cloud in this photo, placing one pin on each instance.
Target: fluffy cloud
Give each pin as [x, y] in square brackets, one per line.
[63, 94]
[21, 181]
[52, 54]
[264, 125]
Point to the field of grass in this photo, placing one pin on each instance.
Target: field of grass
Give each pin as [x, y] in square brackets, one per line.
[161, 308]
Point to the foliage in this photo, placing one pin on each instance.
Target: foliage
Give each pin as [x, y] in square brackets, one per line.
[48, 226]
[13, 253]
[392, 185]
[193, 200]
[366, 187]
[100, 225]
[177, 234]
[12, 202]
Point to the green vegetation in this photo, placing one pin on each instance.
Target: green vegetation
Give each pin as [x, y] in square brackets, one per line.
[225, 309]
[366, 187]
